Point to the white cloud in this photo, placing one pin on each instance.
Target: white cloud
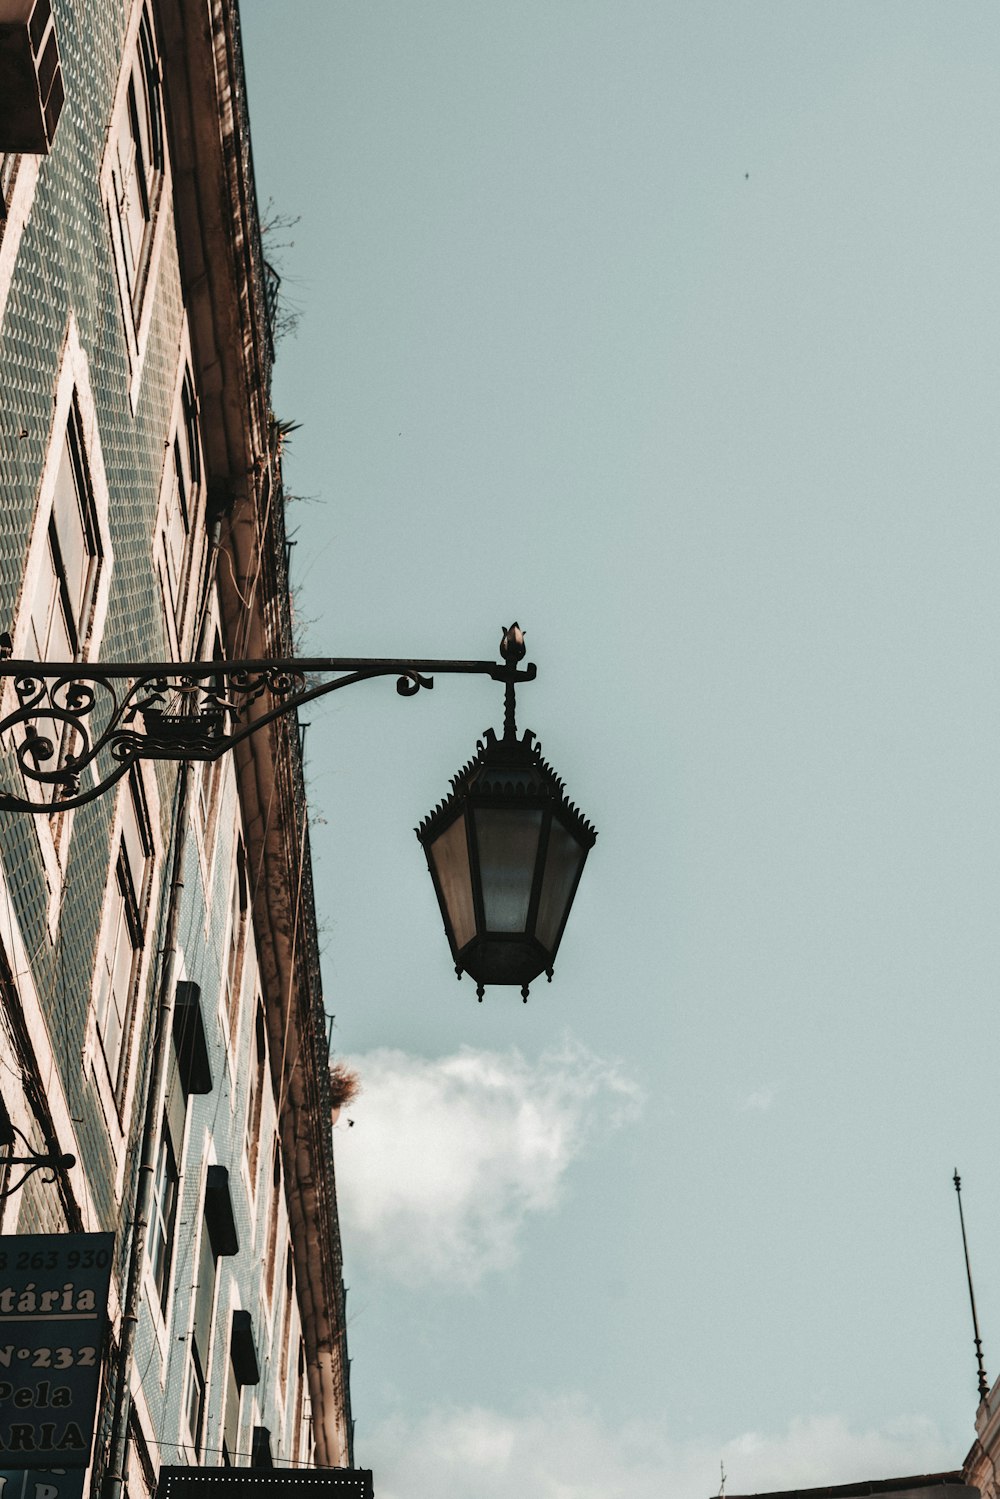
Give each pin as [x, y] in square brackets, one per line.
[758, 1102]
[563, 1451]
[451, 1154]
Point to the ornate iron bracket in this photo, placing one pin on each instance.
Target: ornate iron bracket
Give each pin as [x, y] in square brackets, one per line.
[72, 722]
[33, 1160]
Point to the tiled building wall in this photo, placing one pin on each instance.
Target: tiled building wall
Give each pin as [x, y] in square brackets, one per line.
[64, 270]
[58, 273]
[216, 1133]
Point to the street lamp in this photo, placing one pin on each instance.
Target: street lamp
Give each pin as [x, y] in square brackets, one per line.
[505, 849]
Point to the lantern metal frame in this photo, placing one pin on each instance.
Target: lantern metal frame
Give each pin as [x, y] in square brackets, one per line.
[506, 776]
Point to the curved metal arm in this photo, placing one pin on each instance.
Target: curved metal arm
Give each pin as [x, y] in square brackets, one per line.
[52, 1160]
[99, 718]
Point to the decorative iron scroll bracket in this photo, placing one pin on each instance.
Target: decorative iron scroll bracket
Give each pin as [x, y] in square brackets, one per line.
[74, 723]
[34, 1160]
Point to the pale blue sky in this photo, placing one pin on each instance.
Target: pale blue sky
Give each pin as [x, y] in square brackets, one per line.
[672, 330]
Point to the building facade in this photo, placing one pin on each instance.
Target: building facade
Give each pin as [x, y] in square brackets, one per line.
[161, 1013]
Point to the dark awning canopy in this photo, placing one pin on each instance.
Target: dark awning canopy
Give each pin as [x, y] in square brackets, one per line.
[277, 1483]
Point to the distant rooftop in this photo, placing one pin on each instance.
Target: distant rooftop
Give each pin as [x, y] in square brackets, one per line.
[948, 1485]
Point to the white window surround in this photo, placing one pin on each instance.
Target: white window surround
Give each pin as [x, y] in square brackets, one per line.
[258, 1078]
[116, 1109]
[181, 631]
[221, 1291]
[135, 321]
[239, 955]
[219, 778]
[140, 1409]
[73, 384]
[18, 214]
[161, 1319]
[48, 1070]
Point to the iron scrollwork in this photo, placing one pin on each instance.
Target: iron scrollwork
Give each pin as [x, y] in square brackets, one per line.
[74, 729]
[52, 1160]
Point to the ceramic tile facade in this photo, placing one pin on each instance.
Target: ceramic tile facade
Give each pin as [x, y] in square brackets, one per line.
[59, 283]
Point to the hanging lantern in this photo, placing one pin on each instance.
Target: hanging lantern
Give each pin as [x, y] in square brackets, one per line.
[505, 851]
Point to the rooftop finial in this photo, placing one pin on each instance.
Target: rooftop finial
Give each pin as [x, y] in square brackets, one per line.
[984, 1386]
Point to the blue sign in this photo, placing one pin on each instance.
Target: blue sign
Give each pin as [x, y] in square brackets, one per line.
[42, 1483]
[53, 1316]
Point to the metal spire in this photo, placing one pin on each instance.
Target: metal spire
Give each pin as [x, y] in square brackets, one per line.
[984, 1387]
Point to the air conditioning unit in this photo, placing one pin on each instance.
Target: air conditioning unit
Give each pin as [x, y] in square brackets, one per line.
[31, 82]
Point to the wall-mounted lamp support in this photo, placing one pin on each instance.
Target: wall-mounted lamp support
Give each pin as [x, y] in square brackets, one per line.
[76, 727]
[505, 849]
[33, 1160]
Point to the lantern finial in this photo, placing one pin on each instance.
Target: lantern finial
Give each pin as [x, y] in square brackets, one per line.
[512, 649]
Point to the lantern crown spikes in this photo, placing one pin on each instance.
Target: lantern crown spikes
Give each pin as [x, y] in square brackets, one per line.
[508, 767]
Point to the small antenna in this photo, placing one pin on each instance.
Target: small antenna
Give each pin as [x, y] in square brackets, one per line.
[984, 1387]
[722, 1483]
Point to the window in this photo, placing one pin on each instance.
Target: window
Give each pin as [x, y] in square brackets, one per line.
[194, 1404]
[272, 1224]
[121, 950]
[64, 591]
[300, 1392]
[257, 1078]
[163, 1216]
[231, 1419]
[135, 184]
[62, 606]
[33, 92]
[180, 530]
[237, 938]
[210, 780]
[68, 564]
[198, 1346]
[137, 169]
[18, 179]
[286, 1323]
[243, 1369]
[8, 167]
[218, 1238]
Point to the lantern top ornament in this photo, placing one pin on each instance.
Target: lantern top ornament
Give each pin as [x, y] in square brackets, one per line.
[508, 767]
[505, 850]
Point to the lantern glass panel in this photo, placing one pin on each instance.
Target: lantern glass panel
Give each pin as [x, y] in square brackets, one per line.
[508, 847]
[562, 864]
[450, 853]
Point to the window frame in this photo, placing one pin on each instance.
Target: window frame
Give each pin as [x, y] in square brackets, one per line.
[116, 1093]
[164, 1204]
[198, 1359]
[18, 210]
[259, 1074]
[73, 393]
[180, 568]
[136, 271]
[211, 775]
[237, 943]
[125, 915]
[274, 1223]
